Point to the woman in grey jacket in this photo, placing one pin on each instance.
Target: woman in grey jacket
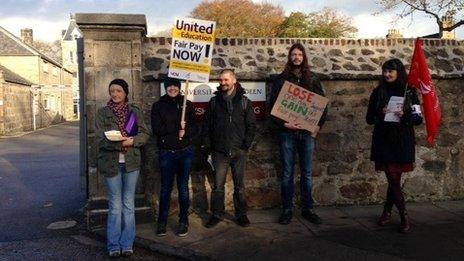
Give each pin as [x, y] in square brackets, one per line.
[119, 161]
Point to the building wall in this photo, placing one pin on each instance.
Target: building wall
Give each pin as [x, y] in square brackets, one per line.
[25, 66]
[53, 106]
[343, 173]
[69, 58]
[69, 54]
[16, 110]
[52, 74]
[349, 68]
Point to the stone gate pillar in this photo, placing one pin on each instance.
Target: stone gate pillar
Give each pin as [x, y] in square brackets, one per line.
[112, 49]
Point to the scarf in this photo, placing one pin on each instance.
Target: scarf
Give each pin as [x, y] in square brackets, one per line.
[122, 112]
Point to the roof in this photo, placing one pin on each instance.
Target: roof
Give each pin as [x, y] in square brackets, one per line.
[71, 27]
[12, 45]
[13, 77]
[98, 19]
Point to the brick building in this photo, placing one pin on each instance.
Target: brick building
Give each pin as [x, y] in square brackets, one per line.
[48, 89]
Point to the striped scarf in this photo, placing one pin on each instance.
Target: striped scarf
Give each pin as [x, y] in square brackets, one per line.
[122, 112]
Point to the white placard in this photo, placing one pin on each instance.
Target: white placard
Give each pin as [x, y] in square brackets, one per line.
[192, 49]
[202, 92]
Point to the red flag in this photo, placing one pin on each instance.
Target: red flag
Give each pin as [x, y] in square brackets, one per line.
[419, 77]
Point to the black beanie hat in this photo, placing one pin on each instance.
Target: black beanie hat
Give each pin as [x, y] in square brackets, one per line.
[121, 83]
[171, 81]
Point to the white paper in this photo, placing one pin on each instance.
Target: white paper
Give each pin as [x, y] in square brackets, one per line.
[210, 161]
[394, 105]
[113, 135]
[416, 109]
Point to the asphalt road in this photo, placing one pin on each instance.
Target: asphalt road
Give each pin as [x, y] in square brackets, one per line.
[39, 185]
[39, 181]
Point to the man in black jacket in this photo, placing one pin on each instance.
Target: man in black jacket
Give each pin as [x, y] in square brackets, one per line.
[294, 139]
[175, 144]
[230, 128]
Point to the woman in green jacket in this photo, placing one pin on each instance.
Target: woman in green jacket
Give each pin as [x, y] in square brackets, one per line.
[119, 161]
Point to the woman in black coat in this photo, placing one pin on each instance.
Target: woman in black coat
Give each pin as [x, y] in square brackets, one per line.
[393, 141]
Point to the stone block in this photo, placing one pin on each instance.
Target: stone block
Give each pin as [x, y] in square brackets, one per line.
[357, 191]
[154, 63]
[436, 166]
[420, 186]
[339, 168]
[325, 193]
[254, 172]
[235, 62]
[104, 54]
[218, 62]
[263, 197]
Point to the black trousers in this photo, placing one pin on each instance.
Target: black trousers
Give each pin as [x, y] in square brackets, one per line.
[221, 162]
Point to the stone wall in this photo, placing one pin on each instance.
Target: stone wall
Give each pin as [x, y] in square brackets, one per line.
[343, 173]
[16, 111]
[337, 59]
[115, 46]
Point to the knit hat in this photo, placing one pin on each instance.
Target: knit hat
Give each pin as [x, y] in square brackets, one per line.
[121, 83]
[171, 82]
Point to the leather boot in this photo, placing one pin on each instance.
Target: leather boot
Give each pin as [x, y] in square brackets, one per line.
[385, 218]
[406, 226]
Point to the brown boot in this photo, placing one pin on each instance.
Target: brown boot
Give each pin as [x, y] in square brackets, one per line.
[406, 226]
[385, 218]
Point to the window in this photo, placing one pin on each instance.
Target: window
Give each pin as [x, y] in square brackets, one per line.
[55, 71]
[71, 56]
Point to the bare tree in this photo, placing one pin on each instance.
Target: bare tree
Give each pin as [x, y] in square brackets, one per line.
[438, 9]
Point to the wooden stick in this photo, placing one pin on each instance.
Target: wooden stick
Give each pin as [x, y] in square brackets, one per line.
[184, 103]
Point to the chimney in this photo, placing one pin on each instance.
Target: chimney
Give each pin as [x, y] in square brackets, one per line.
[394, 33]
[26, 36]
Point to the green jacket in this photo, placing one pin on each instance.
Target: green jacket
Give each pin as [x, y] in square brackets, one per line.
[108, 151]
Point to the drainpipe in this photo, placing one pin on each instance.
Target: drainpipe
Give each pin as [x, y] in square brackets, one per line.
[34, 120]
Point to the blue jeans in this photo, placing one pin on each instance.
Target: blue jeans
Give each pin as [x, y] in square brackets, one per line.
[290, 144]
[121, 213]
[175, 164]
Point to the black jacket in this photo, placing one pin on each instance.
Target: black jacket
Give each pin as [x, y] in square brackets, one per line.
[392, 142]
[224, 131]
[314, 86]
[165, 123]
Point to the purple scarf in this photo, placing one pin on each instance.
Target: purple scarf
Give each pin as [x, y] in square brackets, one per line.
[127, 121]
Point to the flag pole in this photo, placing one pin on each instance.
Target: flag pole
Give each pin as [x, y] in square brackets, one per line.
[184, 103]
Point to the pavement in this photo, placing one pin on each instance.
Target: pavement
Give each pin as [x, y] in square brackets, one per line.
[40, 185]
[41, 199]
[347, 233]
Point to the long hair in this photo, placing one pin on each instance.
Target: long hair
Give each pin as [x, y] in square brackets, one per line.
[290, 67]
[397, 65]
[400, 82]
